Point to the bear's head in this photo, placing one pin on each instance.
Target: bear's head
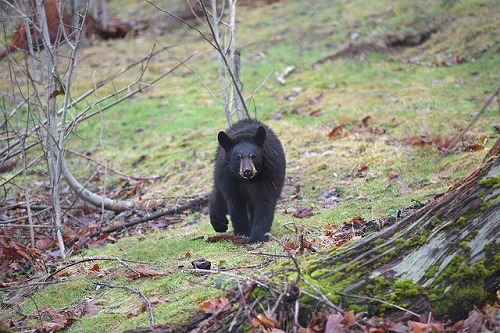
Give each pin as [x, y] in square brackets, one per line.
[244, 152]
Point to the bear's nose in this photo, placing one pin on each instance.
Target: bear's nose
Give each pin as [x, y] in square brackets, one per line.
[247, 173]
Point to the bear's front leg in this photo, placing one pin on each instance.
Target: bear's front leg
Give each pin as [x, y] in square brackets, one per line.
[239, 216]
[262, 215]
[218, 211]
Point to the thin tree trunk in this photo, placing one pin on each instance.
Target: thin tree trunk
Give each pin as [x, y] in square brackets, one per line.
[54, 150]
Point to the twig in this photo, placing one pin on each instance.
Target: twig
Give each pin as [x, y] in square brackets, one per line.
[201, 201]
[135, 291]
[211, 271]
[378, 300]
[476, 117]
[81, 261]
[323, 297]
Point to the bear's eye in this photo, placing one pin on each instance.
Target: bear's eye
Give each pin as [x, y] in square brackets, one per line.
[240, 157]
[252, 156]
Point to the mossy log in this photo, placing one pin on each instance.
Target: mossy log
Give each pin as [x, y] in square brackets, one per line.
[444, 259]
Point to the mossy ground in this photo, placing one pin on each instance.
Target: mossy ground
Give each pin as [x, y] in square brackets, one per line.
[407, 92]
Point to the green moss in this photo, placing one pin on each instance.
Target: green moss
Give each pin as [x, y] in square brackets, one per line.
[319, 272]
[464, 245]
[452, 267]
[377, 285]
[460, 223]
[431, 272]
[493, 182]
[399, 241]
[466, 288]
[405, 289]
[419, 239]
[486, 204]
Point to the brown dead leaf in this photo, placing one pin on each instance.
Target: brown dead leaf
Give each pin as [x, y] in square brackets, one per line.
[303, 212]
[62, 273]
[474, 147]
[316, 113]
[155, 300]
[216, 306]
[333, 323]
[416, 327]
[357, 220]
[394, 177]
[378, 330]
[290, 246]
[147, 271]
[349, 319]
[362, 169]
[337, 131]
[267, 322]
[135, 312]
[474, 322]
[365, 120]
[8, 284]
[133, 276]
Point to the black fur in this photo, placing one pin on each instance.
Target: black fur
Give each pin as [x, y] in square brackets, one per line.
[249, 194]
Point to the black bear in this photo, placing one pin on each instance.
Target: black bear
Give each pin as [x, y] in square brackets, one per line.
[248, 179]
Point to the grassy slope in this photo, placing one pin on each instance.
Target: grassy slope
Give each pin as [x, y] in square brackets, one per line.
[175, 123]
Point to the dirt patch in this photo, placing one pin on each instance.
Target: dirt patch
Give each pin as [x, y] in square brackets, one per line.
[384, 44]
[355, 51]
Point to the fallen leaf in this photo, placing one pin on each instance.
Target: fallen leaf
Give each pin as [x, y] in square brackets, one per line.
[337, 131]
[216, 306]
[303, 212]
[290, 246]
[333, 323]
[474, 147]
[267, 322]
[394, 177]
[61, 273]
[365, 120]
[146, 271]
[349, 319]
[474, 322]
[316, 113]
[135, 312]
[416, 327]
[133, 276]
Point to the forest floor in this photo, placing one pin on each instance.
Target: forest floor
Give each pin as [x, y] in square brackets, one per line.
[374, 92]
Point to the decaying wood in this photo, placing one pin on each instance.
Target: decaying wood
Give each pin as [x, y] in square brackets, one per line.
[462, 223]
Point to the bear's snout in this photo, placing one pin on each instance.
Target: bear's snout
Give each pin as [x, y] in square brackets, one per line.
[247, 168]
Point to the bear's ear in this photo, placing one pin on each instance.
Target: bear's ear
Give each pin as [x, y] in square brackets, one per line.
[225, 141]
[260, 136]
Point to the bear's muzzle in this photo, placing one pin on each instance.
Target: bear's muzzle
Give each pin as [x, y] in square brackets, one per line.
[247, 168]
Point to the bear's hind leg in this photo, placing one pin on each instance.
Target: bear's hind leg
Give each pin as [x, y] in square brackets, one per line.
[218, 211]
